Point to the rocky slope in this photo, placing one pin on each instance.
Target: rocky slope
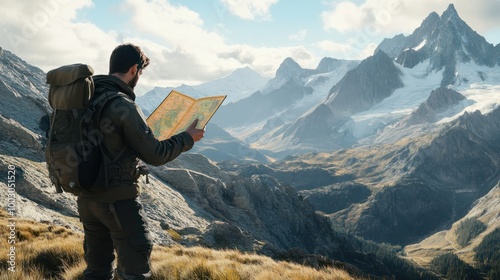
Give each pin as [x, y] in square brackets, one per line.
[438, 102]
[22, 86]
[403, 191]
[374, 79]
[485, 210]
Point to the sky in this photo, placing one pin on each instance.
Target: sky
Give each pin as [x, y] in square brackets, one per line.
[195, 41]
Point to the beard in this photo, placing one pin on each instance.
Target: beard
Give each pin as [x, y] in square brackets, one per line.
[133, 82]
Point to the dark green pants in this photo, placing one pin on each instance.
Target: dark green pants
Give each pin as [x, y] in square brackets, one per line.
[119, 226]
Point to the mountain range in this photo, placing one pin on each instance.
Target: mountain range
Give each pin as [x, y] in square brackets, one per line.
[191, 196]
[237, 85]
[344, 103]
[400, 148]
[403, 142]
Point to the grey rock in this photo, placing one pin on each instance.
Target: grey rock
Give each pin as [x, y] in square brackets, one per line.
[439, 100]
[221, 235]
[19, 135]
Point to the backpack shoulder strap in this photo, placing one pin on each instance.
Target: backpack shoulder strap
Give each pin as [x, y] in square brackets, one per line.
[95, 107]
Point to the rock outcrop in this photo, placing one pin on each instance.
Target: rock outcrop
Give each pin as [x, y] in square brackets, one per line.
[439, 100]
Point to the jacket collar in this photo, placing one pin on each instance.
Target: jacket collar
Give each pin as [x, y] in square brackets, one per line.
[104, 83]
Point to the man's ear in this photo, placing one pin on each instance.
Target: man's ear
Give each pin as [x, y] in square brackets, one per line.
[133, 69]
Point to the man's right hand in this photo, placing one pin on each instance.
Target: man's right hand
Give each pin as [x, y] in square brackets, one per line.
[196, 133]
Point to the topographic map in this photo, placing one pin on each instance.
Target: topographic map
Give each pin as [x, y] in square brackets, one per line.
[178, 111]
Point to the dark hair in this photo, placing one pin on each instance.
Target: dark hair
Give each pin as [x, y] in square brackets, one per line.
[125, 56]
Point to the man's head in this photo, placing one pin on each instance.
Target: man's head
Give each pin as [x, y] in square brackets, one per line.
[127, 62]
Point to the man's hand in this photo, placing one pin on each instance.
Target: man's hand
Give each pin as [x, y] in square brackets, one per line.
[196, 133]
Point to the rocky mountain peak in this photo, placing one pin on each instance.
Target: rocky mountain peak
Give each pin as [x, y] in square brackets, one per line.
[245, 71]
[430, 20]
[379, 57]
[439, 100]
[328, 64]
[289, 68]
[450, 13]
[444, 41]
[443, 97]
[392, 46]
[373, 80]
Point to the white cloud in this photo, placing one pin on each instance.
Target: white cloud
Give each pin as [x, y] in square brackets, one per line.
[348, 50]
[188, 52]
[44, 34]
[369, 50]
[346, 16]
[250, 9]
[299, 36]
[334, 47]
[48, 34]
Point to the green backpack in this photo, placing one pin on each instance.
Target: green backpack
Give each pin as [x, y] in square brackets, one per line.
[74, 153]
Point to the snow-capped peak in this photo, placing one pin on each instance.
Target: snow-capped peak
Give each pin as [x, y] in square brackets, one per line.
[288, 70]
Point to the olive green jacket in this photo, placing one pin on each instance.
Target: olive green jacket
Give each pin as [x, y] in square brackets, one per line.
[127, 140]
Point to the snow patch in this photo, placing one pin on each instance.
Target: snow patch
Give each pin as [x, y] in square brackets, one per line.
[482, 92]
[418, 86]
[421, 45]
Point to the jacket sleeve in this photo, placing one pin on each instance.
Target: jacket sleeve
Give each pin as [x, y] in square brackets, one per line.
[139, 137]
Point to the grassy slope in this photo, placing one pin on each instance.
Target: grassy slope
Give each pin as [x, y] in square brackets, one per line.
[46, 251]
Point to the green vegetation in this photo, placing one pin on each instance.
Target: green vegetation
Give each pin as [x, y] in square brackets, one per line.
[452, 267]
[488, 254]
[388, 254]
[469, 229]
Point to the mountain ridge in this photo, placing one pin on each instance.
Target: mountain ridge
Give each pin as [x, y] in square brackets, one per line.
[238, 84]
[23, 85]
[446, 40]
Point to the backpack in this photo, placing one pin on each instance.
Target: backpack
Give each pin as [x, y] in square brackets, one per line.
[73, 152]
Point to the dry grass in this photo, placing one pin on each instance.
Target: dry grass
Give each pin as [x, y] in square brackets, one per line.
[52, 252]
[174, 234]
[202, 263]
[41, 250]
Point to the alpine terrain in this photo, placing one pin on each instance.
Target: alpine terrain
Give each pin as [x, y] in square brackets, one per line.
[387, 168]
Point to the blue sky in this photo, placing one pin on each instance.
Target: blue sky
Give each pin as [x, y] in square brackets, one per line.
[194, 41]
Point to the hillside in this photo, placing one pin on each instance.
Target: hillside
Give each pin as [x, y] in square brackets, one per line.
[484, 211]
[402, 191]
[45, 251]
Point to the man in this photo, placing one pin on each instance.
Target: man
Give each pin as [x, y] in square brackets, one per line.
[114, 219]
